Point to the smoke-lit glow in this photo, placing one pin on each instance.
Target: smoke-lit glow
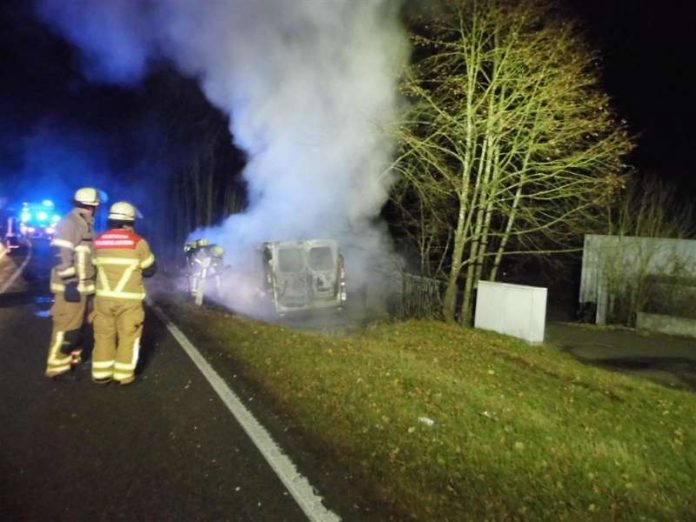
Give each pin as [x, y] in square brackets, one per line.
[310, 86]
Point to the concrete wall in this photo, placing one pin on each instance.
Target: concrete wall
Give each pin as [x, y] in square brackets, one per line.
[509, 309]
[666, 324]
[611, 264]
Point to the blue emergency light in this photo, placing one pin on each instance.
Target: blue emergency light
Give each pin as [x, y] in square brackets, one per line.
[38, 219]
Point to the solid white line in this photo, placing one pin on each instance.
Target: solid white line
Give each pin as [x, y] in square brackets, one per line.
[298, 486]
[17, 273]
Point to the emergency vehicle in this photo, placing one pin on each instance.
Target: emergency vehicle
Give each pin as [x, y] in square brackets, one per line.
[37, 219]
[304, 275]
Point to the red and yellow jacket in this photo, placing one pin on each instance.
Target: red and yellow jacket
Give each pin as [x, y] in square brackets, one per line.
[121, 256]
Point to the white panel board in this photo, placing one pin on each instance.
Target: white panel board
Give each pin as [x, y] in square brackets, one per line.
[516, 310]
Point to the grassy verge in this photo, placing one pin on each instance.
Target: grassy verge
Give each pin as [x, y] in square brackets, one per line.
[453, 424]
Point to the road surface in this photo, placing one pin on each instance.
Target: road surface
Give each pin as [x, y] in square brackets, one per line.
[164, 448]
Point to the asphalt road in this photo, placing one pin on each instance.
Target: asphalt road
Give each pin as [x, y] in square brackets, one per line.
[164, 448]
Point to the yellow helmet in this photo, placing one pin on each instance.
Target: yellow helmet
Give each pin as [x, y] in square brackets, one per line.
[122, 211]
[87, 196]
[203, 242]
[217, 250]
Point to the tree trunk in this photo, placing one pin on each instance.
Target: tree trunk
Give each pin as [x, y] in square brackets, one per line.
[483, 198]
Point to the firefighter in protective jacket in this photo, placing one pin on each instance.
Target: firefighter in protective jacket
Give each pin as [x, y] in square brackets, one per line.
[122, 259]
[204, 261]
[72, 282]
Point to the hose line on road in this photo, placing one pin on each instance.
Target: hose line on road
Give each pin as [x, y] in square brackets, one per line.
[297, 485]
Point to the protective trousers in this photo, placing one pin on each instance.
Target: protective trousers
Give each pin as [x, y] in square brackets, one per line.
[118, 325]
[67, 336]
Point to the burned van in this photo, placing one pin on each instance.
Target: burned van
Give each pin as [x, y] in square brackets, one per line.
[304, 275]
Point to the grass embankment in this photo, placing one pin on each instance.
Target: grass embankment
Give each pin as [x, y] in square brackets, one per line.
[518, 432]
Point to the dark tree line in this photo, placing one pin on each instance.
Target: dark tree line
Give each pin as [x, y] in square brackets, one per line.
[200, 167]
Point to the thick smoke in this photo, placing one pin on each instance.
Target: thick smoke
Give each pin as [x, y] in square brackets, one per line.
[310, 86]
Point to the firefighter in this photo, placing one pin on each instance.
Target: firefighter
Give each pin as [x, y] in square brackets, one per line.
[72, 283]
[205, 261]
[191, 250]
[123, 259]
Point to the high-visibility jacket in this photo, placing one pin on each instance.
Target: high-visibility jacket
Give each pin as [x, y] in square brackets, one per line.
[120, 256]
[73, 241]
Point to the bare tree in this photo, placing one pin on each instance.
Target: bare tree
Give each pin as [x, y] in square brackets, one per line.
[651, 207]
[509, 146]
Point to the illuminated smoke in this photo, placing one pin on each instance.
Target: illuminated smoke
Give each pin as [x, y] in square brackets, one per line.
[309, 86]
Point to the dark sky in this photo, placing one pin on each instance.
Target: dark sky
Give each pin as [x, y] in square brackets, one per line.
[59, 131]
[56, 130]
[650, 70]
[48, 109]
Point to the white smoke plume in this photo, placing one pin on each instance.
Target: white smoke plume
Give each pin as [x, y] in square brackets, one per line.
[310, 86]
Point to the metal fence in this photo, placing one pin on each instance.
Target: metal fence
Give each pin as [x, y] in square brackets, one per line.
[415, 296]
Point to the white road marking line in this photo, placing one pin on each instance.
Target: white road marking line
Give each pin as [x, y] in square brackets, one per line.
[298, 486]
[17, 273]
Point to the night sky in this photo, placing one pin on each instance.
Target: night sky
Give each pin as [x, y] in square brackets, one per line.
[650, 69]
[53, 121]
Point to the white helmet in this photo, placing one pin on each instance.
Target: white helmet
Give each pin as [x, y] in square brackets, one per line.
[87, 196]
[122, 211]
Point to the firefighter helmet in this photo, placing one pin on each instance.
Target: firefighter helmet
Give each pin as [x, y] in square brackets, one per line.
[122, 211]
[217, 251]
[88, 196]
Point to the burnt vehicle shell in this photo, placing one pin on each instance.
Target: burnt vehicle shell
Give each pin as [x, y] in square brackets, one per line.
[304, 275]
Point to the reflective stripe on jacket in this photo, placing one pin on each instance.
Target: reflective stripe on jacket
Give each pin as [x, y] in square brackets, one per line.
[73, 243]
[120, 256]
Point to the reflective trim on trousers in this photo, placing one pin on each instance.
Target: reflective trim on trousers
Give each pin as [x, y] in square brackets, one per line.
[56, 359]
[127, 369]
[102, 374]
[136, 352]
[102, 364]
